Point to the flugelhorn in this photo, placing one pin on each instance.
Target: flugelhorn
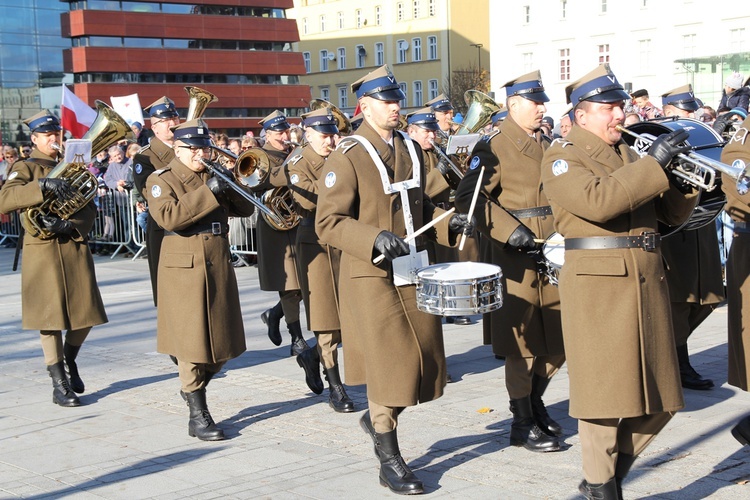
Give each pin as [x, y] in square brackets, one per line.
[704, 176]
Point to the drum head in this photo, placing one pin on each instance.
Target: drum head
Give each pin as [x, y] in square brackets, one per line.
[554, 250]
[452, 271]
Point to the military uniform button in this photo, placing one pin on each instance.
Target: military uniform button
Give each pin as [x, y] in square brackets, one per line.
[642, 278]
[396, 206]
[205, 237]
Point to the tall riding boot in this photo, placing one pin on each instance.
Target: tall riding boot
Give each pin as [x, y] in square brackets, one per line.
[524, 431]
[689, 377]
[201, 424]
[741, 431]
[624, 463]
[62, 394]
[394, 473]
[541, 417]
[337, 397]
[70, 352]
[600, 491]
[298, 341]
[309, 360]
[272, 318]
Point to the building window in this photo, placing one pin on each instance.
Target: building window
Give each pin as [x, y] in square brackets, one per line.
[402, 86]
[304, 25]
[688, 46]
[358, 15]
[644, 55]
[604, 53]
[306, 58]
[432, 48]
[341, 20]
[418, 97]
[564, 64]
[378, 20]
[416, 49]
[379, 54]
[432, 9]
[432, 89]
[528, 61]
[526, 14]
[400, 11]
[322, 23]
[416, 9]
[604, 7]
[342, 57]
[323, 60]
[737, 40]
[325, 94]
[563, 9]
[343, 97]
[361, 54]
[401, 47]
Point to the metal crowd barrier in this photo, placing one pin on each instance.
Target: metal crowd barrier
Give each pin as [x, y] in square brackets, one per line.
[10, 229]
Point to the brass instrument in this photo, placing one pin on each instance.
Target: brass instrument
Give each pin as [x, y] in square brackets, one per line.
[342, 122]
[108, 128]
[251, 168]
[703, 174]
[199, 100]
[280, 202]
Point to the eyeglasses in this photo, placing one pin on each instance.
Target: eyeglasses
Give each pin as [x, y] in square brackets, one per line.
[171, 120]
[10, 157]
[26, 151]
[194, 149]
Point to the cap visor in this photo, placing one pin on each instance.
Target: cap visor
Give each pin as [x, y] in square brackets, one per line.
[326, 129]
[610, 96]
[443, 108]
[687, 106]
[48, 128]
[389, 95]
[203, 142]
[536, 97]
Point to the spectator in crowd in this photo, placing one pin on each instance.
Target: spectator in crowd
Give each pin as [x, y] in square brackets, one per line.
[735, 94]
[24, 150]
[10, 156]
[565, 125]
[643, 106]
[142, 136]
[222, 141]
[235, 147]
[249, 142]
[706, 114]
[548, 124]
[631, 118]
[119, 180]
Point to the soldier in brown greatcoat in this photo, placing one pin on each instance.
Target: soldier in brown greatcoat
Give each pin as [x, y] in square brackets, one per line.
[619, 345]
[390, 345]
[318, 262]
[58, 283]
[512, 211]
[199, 320]
[737, 154]
[154, 156]
[277, 255]
[693, 265]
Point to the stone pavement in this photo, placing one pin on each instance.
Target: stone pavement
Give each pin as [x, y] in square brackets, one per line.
[129, 438]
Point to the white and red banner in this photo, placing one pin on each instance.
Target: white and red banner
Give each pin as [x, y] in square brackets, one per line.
[129, 107]
[75, 115]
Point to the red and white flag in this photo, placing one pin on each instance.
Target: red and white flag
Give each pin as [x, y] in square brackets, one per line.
[75, 115]
[129, 107]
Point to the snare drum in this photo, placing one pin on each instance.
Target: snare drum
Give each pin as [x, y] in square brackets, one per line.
[553, 251]
[459, 288]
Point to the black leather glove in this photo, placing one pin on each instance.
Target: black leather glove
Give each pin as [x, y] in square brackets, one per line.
[522, 238]
[460, 223]
[390, 245]
[57, 187]
[667, 146]
[56, 225]
[217, 186]
[221, 169]
[443, 166]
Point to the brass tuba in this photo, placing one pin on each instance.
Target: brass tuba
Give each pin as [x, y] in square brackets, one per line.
[199, 100]
[108, 128]
[342, 122]
[481, 107]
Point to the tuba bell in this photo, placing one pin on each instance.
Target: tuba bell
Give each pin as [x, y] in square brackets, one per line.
[481, 107]
[108, 128]
[199, 101]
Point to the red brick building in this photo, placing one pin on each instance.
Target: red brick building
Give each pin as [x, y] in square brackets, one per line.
[239, 50]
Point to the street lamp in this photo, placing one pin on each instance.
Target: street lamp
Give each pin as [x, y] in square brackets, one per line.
[479, 54]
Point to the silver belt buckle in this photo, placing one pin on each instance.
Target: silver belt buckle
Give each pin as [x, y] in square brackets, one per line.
[650, 241]
[216, 228]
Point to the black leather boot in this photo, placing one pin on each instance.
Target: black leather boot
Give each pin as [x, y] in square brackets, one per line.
[62, 394]
[272, 318]
[524, 431]
[337, 396]
[599, 491]
[690, 378]
[70, 352]
[201, 424]
[541, 417]
[624, 463]
[299, 345]
[310, 362]
[741, 431]
[394, 473]
[366, 425]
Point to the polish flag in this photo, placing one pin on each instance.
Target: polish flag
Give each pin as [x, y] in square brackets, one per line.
[76, 116]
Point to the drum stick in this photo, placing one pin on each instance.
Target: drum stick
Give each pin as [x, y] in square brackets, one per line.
[539, 240]
[379, 258]
[471, 207]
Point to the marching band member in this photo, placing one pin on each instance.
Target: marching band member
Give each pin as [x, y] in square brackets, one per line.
[443, 109]
[58, 288]
[512, 210]
[199, 320]
[619, 345]
[318, 262]
[370, 196]
[737, 153]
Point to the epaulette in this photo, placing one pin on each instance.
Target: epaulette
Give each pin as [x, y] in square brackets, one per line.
[144, 148]
[345, 145]
[562, 142]
[294, 159]
[488, 138]
[161, 170]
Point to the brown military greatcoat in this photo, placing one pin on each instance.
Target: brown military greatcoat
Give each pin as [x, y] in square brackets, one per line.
[390, 345]
[737, 153]
[615, 302]
[199, 317]
[58, 281]
[318, 262]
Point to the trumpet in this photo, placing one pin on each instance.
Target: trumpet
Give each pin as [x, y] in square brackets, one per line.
[704, 175]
